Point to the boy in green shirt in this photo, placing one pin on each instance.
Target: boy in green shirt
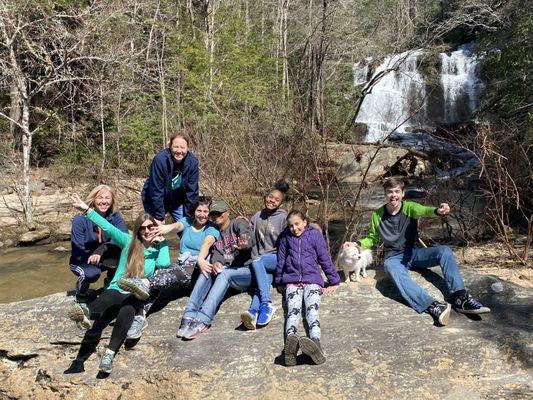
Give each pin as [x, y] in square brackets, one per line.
[396, 224]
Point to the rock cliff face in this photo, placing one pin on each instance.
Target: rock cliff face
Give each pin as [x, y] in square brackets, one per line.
[377, 348]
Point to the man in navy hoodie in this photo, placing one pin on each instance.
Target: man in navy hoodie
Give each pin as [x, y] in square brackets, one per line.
[172, 186]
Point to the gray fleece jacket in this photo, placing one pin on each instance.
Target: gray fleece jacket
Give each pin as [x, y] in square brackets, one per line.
[266, 228]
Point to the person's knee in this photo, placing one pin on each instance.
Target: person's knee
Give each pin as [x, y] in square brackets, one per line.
[391, 267]
[445, 252]
[92, 274]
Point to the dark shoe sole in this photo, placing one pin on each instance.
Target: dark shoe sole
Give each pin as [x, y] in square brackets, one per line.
[444, 318]
[311, 349]
[76, 314]
[290, 350]
[482, 310]
[134, 289]
[248, 321]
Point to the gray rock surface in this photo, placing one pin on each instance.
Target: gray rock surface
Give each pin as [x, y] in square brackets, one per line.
[376, 347]
[353, 160]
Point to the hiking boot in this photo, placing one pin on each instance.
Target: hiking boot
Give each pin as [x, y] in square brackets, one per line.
[184, 326]
[79, 313]
[290, 350]
[266, 310]
[440, 311]
[249, 319]
[469, 305]
[195, 329]
[106, 362]
[312, 348]
[136, 286]
[137, 326]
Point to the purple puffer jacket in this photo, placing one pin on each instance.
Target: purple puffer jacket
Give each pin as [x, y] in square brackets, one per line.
[299, 259]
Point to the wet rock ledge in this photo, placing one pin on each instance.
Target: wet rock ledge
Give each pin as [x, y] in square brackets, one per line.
[377, 348]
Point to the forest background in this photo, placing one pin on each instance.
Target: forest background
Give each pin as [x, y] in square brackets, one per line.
[93, 89]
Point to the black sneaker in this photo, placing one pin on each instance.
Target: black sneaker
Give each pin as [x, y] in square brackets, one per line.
[440, 312]
[290, 350]
[312, 348]
[469, 305]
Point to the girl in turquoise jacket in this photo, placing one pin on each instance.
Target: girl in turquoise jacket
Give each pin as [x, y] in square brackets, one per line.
[142, 252]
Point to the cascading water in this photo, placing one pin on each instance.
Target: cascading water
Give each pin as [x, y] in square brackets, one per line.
[460, 84]
[406, 99]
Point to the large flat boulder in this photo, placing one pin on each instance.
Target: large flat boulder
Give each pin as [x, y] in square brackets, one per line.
[356, 162]
[377, 348]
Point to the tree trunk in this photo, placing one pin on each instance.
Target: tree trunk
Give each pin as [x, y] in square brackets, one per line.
[14, 114]
[26, 152]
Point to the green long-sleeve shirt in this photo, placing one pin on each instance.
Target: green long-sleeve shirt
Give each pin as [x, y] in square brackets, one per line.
[157, 256]
[398, 232]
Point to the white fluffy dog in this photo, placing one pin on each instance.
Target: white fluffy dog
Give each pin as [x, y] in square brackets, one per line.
[353, 260]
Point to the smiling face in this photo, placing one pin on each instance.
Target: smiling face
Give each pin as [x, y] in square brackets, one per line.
[145, 230]
[218, 218]
[103, 201]
[179, 149]
[296, 225]
[394, 197]
[273, 200]
[201, 214]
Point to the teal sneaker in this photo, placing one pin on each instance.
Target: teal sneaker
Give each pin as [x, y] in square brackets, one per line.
[136, 286]
[106, 362]
[137, 326]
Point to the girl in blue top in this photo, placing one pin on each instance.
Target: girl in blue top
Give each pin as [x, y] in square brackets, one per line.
[197, 235]
[142, 253]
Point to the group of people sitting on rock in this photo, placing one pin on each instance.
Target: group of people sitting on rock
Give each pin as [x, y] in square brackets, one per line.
[217, 252]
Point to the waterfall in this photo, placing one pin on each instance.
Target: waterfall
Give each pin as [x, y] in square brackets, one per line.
[408, 100]
[460, 84]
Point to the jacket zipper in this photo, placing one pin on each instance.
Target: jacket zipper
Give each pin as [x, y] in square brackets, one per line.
[300, 259]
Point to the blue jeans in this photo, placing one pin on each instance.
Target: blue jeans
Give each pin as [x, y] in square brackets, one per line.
[264, 267]
[209, 292]
[420, 258]
[178, 212]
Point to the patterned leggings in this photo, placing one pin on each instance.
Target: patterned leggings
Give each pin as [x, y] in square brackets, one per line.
[310, 296]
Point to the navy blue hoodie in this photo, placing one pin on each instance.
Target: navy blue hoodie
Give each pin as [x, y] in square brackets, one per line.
[84, 237]
[158, 197]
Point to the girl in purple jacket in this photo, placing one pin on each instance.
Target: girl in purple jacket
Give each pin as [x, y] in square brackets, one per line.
[301, 253]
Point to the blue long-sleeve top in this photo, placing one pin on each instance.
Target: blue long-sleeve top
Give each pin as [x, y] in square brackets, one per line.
[84, 237]
[160, 195]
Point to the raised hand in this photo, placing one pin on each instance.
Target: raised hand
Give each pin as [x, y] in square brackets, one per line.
[163, 229]
[78, 203]
[443, 209]
[242, 242]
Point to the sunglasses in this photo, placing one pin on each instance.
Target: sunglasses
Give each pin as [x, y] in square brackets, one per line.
[145, 228]
[215, 214]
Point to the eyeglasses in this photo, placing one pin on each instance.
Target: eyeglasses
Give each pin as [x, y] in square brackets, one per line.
[145, 228]
[215, 214]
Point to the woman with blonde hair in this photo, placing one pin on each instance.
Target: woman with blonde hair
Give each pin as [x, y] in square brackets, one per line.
[94, 251]
[142, 252]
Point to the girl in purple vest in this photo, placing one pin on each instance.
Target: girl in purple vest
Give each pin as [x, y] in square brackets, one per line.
[302, 253]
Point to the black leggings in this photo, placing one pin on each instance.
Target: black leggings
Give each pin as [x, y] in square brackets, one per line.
[109, 305]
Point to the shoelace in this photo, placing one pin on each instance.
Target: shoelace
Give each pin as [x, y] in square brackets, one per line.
[472, 302]
[107, 358]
